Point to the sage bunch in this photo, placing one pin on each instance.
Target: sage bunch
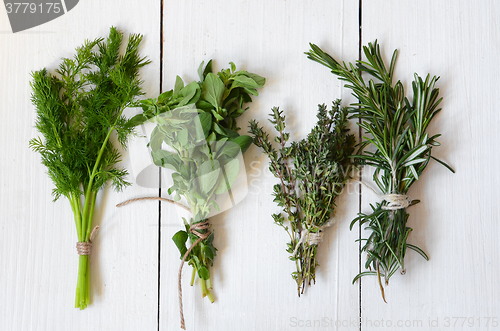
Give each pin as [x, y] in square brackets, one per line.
[196, 137]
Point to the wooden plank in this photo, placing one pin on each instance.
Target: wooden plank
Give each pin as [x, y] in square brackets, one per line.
[251, 275]
[39, 262]
[456, 222]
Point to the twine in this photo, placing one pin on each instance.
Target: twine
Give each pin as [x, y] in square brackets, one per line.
[201, 236]
[84, 247]
[312, 238]
[193, 229]
[153, 198]
[394, 201]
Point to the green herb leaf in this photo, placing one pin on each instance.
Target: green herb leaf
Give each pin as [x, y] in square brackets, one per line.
[318, 167]
[208, 174]
[396, 127]
[78, 109]
[203, 273]
[180, 239]
[212, 90]
[230, 172]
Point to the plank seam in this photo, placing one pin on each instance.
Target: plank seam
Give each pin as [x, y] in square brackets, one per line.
[360, 173]
[159, 173]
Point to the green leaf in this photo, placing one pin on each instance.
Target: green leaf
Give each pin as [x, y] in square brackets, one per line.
[244, 81]
[179, 84]
[156, 139]
[444, 164]
[137, 120]
[207, 175]
[180, 239]
[212, 90]
[261, 81]
[183, 138]
[191, 94]
[208, 252]
[219, 129]
[215, 205]
[366, 273]
[418, 250]
[210, 239]
[243, 142]
[200, 71]
[206, 123]
[414, 161]
[165, 96]
[211, 138]
[230, 172]
[208, 69]
[216, 114]
[166, 159]
[203, 273]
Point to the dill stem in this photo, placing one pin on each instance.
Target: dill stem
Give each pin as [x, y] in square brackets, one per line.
[75, 206]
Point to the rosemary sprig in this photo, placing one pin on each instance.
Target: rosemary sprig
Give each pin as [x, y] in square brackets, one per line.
[312, 173]
[396, 128]
[77, 111]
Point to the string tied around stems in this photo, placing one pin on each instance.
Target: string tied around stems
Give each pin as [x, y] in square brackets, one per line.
[84, 247]
[394, 201]
[312, 238]
[194, 228]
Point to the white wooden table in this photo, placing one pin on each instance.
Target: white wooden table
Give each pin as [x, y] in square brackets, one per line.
[134, 262]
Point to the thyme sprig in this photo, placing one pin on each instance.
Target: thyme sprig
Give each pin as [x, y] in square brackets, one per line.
[312, 174]
[396, 127]
[78, 109]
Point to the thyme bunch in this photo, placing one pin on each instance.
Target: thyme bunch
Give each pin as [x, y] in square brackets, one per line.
[396, 128]
[312, 174]
[78, 109]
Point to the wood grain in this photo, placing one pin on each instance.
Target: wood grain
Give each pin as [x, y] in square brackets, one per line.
[38, 257]
[252, 282]
[456, 222]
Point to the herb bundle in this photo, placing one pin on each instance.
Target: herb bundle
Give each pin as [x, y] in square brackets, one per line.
[198, 124]
[396, 128]
[312, 173]
[77, 111]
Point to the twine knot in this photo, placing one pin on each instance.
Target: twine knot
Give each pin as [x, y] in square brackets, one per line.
[396, 201]
[312, 238]
[84, 247]
[194, 228]
[315, 238]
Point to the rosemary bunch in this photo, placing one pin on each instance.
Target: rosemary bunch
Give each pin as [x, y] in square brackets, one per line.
[312, 173]
[396, 128]
[77, 111]
[197, 122]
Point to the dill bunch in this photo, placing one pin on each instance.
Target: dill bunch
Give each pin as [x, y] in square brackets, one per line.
[395, 127]
[312, 174]
[78, 109]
